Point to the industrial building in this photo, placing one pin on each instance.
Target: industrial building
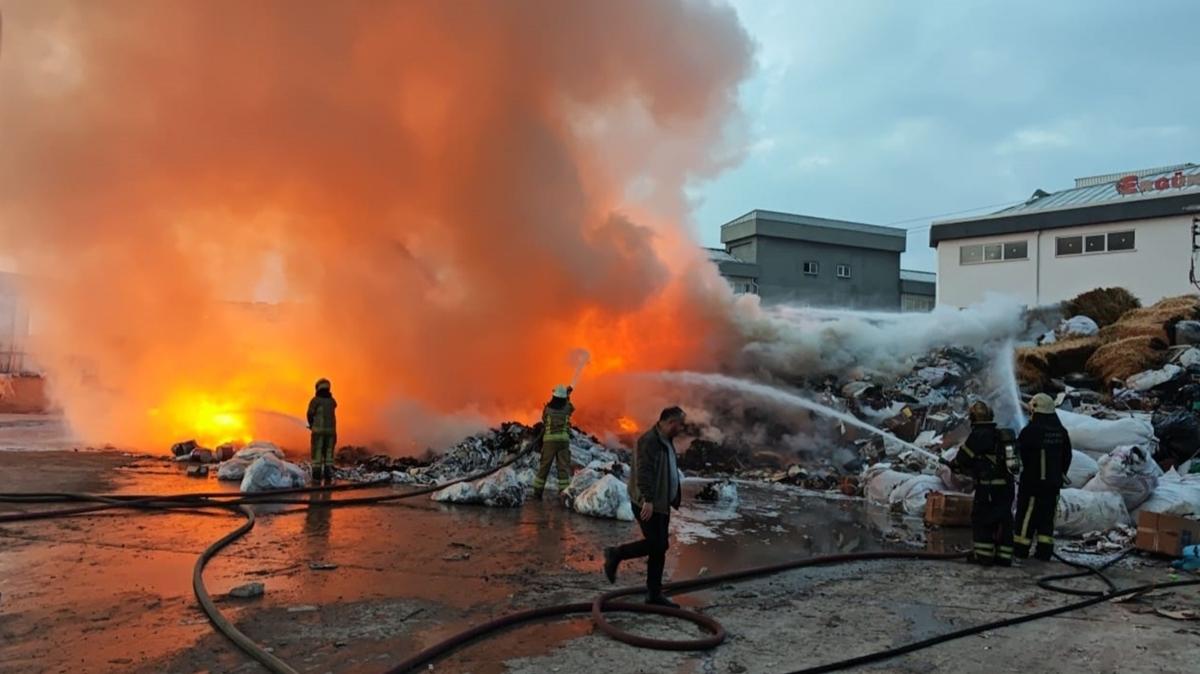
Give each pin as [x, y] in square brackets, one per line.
[1133, 230]
[783, 257]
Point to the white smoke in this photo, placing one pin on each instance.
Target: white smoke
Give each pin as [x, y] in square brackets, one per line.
[789, 342]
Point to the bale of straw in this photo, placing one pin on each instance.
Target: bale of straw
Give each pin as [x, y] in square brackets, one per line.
[1123, 358]
[1036, 365]
[1155, 321]
[1103, 305]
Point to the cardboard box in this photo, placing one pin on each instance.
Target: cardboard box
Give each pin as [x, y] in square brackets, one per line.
[948, 510]
[1165, 534]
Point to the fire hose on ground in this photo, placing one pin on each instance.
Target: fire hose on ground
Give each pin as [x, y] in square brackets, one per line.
[597, 609]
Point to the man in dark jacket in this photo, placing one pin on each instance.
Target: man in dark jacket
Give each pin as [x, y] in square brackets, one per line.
[322, 421]
[983, 457]
[1045, 458]
[654, 489]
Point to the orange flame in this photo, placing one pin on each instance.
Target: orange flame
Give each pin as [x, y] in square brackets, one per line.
[627, 425]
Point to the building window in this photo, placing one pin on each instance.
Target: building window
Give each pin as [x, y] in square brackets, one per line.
[1090, 244]
[1016, 250]
[843, 271]
[812, 268]
[745, 287]
[1068, 245]
[993, 252]
[1120, 241]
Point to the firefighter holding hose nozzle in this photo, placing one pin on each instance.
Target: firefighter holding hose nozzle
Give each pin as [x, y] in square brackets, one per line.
[556, 440]
[322, 421]
[988, 456]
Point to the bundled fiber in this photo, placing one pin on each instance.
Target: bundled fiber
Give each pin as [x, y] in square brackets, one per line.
[1103, 305]
[1154, 321]
[1037, 365]
[1123, 358]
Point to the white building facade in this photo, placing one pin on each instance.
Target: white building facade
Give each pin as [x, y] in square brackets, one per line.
[1129, 230]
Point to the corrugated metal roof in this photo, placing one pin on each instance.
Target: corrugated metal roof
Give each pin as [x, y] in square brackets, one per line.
[1114, 177]
[811, 221]
[1104, 193]
[919, 276]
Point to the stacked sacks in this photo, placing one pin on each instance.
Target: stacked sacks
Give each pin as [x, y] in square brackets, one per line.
[1129, 471]
[599, 490]
[235, 468]
[271, 472]
[502, 489]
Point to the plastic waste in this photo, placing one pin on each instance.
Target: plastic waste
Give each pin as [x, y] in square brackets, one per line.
[235, 469]
[1178, 437]
[724, 493]
[1187, 332]
[502, 489]
[1083, 468]
[1174, 495]
[1078, 326]
[1080, 511]
[607, 497]
[1104, 435]
[1151, 379]
[270, 472]
[1128, 471]
[910, 496]
[882, 481]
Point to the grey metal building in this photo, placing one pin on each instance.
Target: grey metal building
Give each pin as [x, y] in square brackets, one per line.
[814, 261]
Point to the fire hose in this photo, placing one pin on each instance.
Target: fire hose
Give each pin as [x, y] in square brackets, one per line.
[598, 608]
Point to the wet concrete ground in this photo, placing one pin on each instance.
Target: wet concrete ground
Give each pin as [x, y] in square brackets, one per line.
[111, 593]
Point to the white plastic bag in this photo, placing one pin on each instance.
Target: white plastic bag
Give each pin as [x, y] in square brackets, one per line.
[1129, 471]
[1083, 468]
[502, 489]
[881, 484]
[232, 470]
[1080, 512]
[912, 493]
[606, 497]
[1104, 435]
[269, 472]
[1174, 496]
[1078, 326]
[1144, 381]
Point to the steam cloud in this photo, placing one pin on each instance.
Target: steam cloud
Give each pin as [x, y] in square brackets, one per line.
[436, 201]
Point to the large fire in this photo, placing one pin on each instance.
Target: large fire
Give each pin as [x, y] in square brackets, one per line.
[433, 204]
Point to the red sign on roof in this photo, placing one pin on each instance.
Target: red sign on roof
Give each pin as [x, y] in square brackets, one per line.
[1131, 184]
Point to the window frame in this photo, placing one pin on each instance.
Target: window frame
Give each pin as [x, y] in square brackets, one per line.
[1107, 238]
[983, 248]
[812, 265]
[838, 271]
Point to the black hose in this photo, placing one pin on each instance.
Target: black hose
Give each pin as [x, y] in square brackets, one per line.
[598, 607]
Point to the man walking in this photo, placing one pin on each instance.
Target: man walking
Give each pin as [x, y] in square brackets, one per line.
[654, 489]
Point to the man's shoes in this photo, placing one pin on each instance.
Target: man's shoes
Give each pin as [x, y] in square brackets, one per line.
[661, 600]
[328, 474]
[537, 494]
[1004, 562]
[316, 473]
[611, 561]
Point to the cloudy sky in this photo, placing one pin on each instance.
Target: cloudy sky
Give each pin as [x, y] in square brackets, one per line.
[891, 112]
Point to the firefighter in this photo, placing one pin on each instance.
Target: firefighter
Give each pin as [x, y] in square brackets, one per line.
[1046, 457]
[556, 440]
[322, 421]
[984, 458]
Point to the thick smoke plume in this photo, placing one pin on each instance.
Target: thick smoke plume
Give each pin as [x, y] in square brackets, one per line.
[436, 203]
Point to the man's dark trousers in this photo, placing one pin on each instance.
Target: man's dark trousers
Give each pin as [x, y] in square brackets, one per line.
[653, 546]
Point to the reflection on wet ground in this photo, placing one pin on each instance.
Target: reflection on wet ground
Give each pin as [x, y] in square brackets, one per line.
[351, 588]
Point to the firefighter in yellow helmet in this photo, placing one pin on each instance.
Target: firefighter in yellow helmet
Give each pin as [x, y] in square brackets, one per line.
[556, 440]
[322, 421]
[987, 456]
[1045, 448]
